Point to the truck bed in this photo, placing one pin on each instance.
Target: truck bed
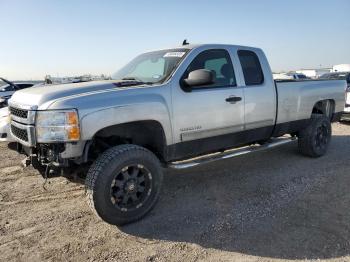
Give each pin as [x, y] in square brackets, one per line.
[296, 99]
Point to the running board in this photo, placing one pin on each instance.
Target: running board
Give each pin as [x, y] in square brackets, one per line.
[230, 153]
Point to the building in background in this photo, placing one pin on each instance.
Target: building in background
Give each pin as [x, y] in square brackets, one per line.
[314, 73]
[341, 68]
[74, 79]
[289, 76]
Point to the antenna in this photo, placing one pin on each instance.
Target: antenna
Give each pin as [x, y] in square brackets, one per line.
[185, 42]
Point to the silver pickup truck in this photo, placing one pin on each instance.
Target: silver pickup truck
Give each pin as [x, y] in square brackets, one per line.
[175, 108]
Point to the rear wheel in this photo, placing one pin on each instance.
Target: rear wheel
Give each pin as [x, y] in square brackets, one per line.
[314, 140]
[124, 183]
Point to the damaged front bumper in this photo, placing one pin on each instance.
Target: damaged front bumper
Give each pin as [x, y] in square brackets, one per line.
[59, 155]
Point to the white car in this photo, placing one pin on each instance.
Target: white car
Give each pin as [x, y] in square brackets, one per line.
[4, 125]
[346, 115]
[7, 89]
[341, 76]
[289, 76]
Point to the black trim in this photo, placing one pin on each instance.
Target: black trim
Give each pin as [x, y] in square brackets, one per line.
[209, 145]
[277, 105]
[290, 127]
[304, 80]
[213, 144]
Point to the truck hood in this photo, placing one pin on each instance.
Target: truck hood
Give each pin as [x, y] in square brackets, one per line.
[43, 96]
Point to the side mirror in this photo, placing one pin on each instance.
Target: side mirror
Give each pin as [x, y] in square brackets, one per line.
[199, 77]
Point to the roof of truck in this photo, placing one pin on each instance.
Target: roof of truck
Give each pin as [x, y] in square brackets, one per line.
[193, 46]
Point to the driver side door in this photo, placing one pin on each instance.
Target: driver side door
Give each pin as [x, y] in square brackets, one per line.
[206, 118]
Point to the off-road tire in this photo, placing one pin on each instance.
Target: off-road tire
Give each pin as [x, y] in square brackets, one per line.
[102, 173]
[307, 138]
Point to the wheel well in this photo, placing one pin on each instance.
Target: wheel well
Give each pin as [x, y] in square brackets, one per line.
[148, 134]
[324, 107]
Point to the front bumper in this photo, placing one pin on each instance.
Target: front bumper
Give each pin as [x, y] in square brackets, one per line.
[24, 134]
[22, 130]
[22, 127]
[57, 154]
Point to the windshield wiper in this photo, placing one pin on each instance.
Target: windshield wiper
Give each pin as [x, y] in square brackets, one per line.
[136, 81]
[131, 78]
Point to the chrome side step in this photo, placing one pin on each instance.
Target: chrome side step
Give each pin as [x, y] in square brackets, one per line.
[230, 153]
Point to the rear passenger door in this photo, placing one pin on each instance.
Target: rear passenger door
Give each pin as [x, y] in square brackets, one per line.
[259, 92]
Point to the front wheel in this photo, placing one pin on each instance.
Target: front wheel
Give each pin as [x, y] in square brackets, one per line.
[315, 138]
[124, 183]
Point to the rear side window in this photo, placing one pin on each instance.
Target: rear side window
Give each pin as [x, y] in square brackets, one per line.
[219, 62]
[253, 74]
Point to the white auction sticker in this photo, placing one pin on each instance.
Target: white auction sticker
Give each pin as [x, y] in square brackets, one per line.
[174, 54]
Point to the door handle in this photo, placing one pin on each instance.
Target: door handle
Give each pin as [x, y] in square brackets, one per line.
[233, 99]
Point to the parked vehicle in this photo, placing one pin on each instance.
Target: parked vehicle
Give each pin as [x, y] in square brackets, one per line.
[5, 126]
[336, 76]
[7, 89]
[290, 76]
[163, 109]
[342, 76]
[3, 102]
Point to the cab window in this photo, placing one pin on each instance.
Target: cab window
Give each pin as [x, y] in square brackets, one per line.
[219, 62]
[252, 71]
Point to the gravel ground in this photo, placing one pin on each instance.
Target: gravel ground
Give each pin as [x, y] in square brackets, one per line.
[269, 206]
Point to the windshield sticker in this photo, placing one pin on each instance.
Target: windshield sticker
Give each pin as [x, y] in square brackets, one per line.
[156, 76]
[174, 54]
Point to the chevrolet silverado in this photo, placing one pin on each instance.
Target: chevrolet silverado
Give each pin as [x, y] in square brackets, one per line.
[175, 108]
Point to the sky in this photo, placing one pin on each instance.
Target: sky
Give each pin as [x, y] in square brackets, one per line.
[66, 38]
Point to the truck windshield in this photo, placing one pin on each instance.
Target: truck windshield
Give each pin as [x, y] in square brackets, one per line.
[152, 67]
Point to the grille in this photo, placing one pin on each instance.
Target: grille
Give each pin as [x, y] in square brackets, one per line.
[19, 112]
[19, 133]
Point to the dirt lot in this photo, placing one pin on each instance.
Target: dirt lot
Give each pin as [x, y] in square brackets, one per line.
[272, 205]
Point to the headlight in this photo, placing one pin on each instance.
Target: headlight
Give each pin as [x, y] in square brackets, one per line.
[57, 126]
